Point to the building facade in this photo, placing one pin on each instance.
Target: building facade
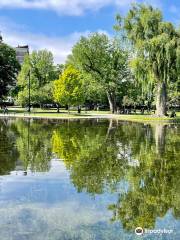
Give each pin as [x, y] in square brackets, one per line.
[21, 52]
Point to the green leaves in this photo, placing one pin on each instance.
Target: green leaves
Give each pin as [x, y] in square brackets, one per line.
[105, 61]
[156, 44]
[68, 90]
[9, 68]
[42, 72]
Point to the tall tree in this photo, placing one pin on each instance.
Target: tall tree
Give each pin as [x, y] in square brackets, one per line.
[105, 61]
[42, 72]
[156, 46]
[9, 67]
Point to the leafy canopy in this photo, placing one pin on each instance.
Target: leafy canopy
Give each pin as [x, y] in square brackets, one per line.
[9, 68]
[105, 61]
[102, 58]
[68, 89]
[39, 66]
[155, 44]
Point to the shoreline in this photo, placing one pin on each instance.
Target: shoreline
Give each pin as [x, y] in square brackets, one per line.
[129, 118]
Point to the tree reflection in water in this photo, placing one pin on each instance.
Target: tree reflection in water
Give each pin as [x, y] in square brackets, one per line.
[99, 155]
[145, 156]
[8, 152]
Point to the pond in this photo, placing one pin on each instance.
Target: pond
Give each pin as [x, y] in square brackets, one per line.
[88, 179]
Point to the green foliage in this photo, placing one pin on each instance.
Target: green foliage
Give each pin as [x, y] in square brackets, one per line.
[39, 67]
[8, 151]
[69, 90]
[59, 68]
[105, 61]
[34, 153]
[104, 158]
[42, 67]
[9, 68]
[94, 90]
[137, 164]
[89, 153]
[156, 45]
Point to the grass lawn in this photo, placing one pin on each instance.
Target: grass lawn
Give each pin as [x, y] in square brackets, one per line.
[52, 113]
[147, 117]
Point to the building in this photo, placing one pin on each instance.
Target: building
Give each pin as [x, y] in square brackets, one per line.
[21, 51]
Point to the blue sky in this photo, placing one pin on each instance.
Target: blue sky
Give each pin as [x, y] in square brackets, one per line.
[57, 24]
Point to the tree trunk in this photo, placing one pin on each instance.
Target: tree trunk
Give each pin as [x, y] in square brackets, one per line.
[160, 134]
[58, 108]
[112, 101]
[79, 109]
[161, 98]
[109, 128]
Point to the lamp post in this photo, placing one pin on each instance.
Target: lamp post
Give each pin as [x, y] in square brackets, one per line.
[29, 91]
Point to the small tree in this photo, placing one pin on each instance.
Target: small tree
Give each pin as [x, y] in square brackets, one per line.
[69, 88]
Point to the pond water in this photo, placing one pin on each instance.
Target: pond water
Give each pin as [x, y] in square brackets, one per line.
[88, 179]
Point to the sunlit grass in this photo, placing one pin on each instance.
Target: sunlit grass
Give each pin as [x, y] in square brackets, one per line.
[52, 113]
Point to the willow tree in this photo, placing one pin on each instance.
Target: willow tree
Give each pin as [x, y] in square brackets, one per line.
[155, 43]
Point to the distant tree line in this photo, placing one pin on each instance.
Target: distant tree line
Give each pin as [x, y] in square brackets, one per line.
[138, 66]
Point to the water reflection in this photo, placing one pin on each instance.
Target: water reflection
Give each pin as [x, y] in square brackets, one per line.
[133, 168]
[98, 159]
[8, 152]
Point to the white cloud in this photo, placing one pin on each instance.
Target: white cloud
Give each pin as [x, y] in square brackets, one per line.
[65, 7]
[75, 7]
[40, 221]
[61, 47]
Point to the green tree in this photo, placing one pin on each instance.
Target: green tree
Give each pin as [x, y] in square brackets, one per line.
[9, 68]
[39, 66]
[156, 50]
[59, 68]
[105, 61]
[69, 89]
[42, 67]
[174, 93]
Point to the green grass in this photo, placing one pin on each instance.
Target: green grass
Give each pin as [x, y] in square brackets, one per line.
[149, 118]
[52, 113]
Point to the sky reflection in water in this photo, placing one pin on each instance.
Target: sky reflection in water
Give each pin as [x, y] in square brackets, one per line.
[88, 179]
